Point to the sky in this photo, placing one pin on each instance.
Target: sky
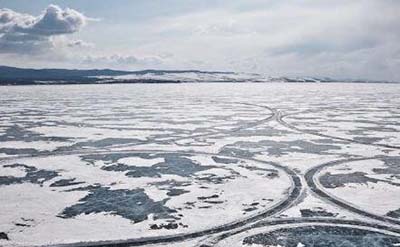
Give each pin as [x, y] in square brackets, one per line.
[357, 39]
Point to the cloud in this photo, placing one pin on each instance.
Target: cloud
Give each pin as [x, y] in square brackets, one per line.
[10, 19]
[22, 33]
[337, 38]
[79, 43]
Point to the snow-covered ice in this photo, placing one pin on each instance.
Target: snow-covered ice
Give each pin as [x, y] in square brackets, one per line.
[180, 164]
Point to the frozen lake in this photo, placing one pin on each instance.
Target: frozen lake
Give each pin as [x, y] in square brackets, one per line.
[210, 164]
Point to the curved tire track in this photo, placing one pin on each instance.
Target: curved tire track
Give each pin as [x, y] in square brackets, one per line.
[295, 192]
[296, 222]
[280, 120]
[111, 148]
[292, 196]
[250, 124]
[311, 178]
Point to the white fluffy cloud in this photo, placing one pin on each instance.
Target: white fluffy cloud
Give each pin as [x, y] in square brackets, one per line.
[23, 33]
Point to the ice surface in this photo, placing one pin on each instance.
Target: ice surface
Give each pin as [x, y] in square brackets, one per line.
[148, 162]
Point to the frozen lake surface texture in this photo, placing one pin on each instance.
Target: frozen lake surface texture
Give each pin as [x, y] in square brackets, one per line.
[252, 165]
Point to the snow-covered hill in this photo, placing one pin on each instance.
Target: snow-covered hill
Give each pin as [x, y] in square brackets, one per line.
[21, 76]
[203, 76]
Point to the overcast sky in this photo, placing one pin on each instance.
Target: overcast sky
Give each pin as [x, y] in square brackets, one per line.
[335, 38]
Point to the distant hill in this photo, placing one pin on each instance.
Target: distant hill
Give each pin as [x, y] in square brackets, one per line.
[21, 76]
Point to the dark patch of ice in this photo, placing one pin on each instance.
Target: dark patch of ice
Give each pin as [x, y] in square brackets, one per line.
[276, 148]
[224, 160]
[174, 164]
[394, 214]
[322, 236]
[19, 151]
[33, 175]
[134, 205]
[65, 182]
[4, 236]
[316, 212]
[332, 181]
[176, 192]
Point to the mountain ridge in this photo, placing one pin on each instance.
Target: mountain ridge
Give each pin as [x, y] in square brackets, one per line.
[28, 76]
